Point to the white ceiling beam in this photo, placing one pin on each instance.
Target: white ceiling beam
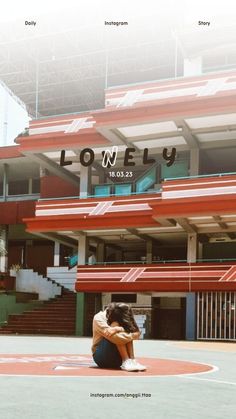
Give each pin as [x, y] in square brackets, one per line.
[221, 223]
[165, 222]
[186, 132]
[55, 168]
[66, 240]
[142, 236]
[183, 222]
[220, 128]
[210, 220]
[216, 229]
[140, 138]
[110, 135]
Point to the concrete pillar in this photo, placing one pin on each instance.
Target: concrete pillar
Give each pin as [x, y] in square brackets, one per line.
[192, 66]
[102, 177]
[85, 181]
[56, 259]
[191, 316]
[3, 248]
[80, 302]
[200, 250]
[194, 161]
[30, 186]
[5, 180]
[100, 252]
[192, 248]
[5, 113]
[192, 251]
[149, 251]
[82, 250]
[80, 311]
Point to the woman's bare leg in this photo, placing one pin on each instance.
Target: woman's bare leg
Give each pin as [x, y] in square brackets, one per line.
[124, 350]
[130, 349]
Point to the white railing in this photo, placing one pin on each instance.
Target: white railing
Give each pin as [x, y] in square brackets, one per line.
[216, 316]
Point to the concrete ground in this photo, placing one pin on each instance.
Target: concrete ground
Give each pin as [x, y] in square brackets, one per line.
[205, 396]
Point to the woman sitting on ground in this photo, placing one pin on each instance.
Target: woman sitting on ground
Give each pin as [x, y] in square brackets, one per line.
[114, 330]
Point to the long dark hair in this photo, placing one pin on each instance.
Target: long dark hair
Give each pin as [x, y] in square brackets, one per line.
[123, 314]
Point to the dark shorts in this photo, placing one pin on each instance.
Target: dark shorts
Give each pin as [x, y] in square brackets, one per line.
[107, 355]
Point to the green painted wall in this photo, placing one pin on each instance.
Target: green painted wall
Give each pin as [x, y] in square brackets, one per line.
[80, 311]
[8, 305]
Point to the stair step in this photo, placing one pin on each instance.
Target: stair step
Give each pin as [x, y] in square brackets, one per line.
[45, 326]
[41, 321]
[40, 332]
[70, 323]
[49, 314]
[27, 316]
[24, 327]
[53, 317]
[51, 310]
[61, 304]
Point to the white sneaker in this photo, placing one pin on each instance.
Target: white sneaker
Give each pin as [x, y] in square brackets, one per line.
[139, 366]
[128, 365]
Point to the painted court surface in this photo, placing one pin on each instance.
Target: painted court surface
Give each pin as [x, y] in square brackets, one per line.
[50, 377]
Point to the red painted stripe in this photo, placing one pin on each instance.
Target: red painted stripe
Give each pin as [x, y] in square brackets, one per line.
[171, 100]
[155, 286]
[117, 200]
[73, 222]
[194, 206]
[193, 278]
[169, 83]
[230, 275]
[168, 265]
[58, 141]
[143, 275]
[50, 124]
[157, 89]
[179, 182]
[56, 119]
[10, 152]
[200, 179]
[193, 187]
[202, 106]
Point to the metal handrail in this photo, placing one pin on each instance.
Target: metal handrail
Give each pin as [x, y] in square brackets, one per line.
[163, 262]
[201, 176]
[141, 193]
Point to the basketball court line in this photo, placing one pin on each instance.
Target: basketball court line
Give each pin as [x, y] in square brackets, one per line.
[208, 380]
[135, 374]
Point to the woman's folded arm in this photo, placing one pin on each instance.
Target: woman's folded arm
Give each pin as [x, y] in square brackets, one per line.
[101, 326]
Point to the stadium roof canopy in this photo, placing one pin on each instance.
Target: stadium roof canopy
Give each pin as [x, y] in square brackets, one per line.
[63, 64]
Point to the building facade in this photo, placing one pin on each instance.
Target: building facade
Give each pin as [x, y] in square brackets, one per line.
[139, 198]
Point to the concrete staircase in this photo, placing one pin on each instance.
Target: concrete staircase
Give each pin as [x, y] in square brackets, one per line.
[54, 317]
[63, 275]
[30, 281]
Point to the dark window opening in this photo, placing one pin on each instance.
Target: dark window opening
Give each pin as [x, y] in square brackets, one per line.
[124, 298]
